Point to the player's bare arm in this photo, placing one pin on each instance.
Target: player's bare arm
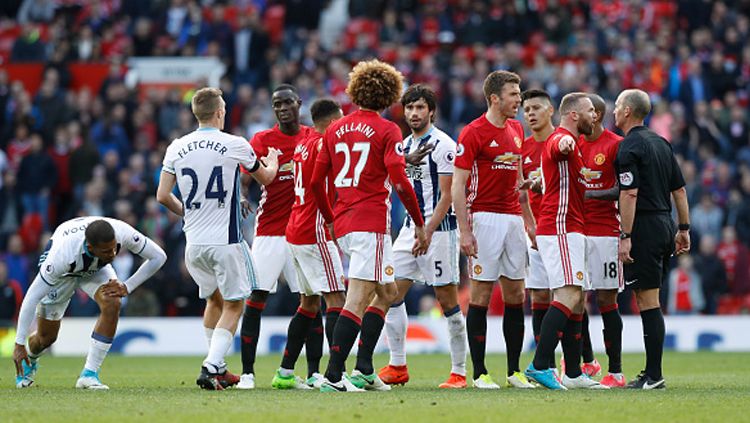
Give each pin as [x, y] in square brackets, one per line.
[458, 192]
[628, 199]
[528, 216]
[165, 196]
[443, 205]
[610, 194]
[682, 239]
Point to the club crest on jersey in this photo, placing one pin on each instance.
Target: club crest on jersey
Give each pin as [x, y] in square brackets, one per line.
[626, 178]
[599, 159]
[400, 148]
[518, 141]
[460, 150]
[477, 269]
[389, 270]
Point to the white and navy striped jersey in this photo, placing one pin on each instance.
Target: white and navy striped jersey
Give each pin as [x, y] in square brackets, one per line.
[206, 163]
[425, 177]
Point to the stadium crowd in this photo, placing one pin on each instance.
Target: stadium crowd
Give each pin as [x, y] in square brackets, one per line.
[66, 153]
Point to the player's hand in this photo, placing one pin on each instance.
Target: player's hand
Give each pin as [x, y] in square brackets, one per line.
[272, 158]
[421, 241]
[566, 145]
[245, 207]
[114, 288]
[332, 233]
[19, 356]
[415, 157]
[624, 254]
[469, 244]
[682, 242]
[531, 233]
[525, 184]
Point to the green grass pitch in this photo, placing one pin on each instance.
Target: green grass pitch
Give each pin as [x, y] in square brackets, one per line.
[701, 387]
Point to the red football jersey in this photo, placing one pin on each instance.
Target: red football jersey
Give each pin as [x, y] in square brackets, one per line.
[561, 211]
[492, 155]
[359, 148]
[277, 197]
[599, 173]
[306, 225]
[532, 168]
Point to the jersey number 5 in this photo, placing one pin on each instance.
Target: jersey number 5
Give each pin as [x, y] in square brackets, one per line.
[342, 181]
[215, 180]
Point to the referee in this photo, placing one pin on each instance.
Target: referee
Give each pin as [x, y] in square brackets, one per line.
[648, 174]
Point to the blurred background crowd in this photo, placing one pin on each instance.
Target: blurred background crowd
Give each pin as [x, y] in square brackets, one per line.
[66, 152]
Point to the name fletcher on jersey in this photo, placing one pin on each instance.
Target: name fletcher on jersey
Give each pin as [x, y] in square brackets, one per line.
[201, 145]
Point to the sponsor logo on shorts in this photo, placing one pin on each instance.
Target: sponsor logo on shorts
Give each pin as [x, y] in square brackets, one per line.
[579, 276]
[389, 270]
[477, 269]
[599, 159]
[631, 282]
[626, 178]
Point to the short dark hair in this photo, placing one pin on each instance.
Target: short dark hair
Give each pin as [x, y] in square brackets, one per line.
[496, 80]
[638, 101]
[323, 108]
[417, 91]
[99, 232]
[535, 93]
[599, 104]
[284, 87]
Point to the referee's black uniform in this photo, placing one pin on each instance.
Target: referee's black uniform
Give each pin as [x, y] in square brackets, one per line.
[646, 161]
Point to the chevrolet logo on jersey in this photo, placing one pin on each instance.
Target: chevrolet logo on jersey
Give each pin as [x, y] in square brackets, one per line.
[508, 158]
[287, 167]
[590, 175]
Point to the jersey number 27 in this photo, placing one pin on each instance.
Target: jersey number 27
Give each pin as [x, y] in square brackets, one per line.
[342, 180]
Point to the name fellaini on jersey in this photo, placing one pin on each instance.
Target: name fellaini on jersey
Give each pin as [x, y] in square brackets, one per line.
[425, 178]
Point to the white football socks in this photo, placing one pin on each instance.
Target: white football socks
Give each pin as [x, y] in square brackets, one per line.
[396, 323]
[209, 334]
[457, 333]
[98, 350]
[220, 343]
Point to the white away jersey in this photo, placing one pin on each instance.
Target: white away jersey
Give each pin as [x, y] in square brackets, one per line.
[66, 254]
[206, 163]
[425, 177]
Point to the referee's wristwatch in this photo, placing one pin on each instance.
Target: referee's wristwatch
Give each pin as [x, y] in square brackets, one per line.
[625, 235]
[683, 227]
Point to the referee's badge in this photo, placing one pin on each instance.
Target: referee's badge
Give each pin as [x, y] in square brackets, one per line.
[626, 178]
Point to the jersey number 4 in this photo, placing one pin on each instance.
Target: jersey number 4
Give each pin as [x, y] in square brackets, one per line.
[214, 188]
[342, 180]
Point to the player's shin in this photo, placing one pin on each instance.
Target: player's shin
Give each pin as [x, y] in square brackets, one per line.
[372, 325]
[513, 328]
[396, 323]
[98, 349]
[612, 336]
[571, 342]
[344, 334]
[314, 345]
[587, 350]
[552, 328]
[457, 336]
[299, 328]
[476, 331]
[249, 332]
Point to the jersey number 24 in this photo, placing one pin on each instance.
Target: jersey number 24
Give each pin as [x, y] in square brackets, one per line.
[214, 188]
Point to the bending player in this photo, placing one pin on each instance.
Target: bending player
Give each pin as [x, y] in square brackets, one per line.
[438, 268]
[314, 254]
[79, 255]
[491, 222]
[207, 162]
[365, 153]
[270, 253]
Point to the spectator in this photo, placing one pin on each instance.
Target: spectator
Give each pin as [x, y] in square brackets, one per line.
[17, 263]
[685, 292]
[11, 295]
[37, 177]
[707, 217]
[736, 259]
[712, 274]
[28, 46]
